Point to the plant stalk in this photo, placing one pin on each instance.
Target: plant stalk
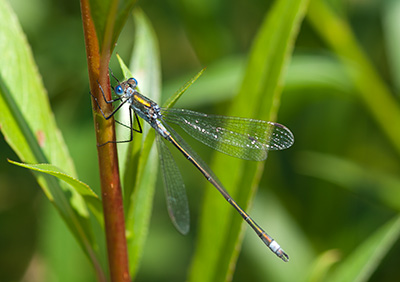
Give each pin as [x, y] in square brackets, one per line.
[107, 154]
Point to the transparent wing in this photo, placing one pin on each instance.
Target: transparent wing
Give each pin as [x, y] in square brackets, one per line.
[177, 203]
[243, 138]
[196, 160]
[188, 151]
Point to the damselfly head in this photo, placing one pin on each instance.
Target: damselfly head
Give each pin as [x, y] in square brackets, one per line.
[132, 82]
[127, 87]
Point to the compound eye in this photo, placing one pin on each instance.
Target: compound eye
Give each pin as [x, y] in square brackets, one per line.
[133, 82]
[118, 90]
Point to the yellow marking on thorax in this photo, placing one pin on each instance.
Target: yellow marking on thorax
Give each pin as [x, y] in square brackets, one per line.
[142, 101]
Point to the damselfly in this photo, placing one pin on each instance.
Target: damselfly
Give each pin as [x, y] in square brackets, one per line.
[243, 138]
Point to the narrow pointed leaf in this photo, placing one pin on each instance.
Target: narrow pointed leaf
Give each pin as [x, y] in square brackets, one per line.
[29, 128]
[178, 94]
[367, 182]
[125, 70]
[220, 236]
[90, 197]
[362, 263]
[369, 85]
[141, 162]
[109, 16]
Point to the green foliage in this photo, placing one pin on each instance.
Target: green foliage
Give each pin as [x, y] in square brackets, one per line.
[259, 98]
[142, 156]
[331, 201]
[29, 127]
[109, 17]
[91, 199]
[360, 265]
[141, 161]
[366, 80]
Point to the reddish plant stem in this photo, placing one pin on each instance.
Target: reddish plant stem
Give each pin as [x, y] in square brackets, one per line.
[107, 155]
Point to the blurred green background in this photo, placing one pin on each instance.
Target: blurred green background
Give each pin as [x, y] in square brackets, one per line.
[337, 185]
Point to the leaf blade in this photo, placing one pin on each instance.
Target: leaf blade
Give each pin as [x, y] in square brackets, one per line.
[109, 13]
[178, 94]
[258, 98]
[141, 159]
[361, 264]
[83, 189]
[29, 127]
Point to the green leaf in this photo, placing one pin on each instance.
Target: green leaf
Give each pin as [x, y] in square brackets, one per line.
[105, 12]
[178, 94]
[125, 70]
[282, 222]
[317, 71]
[220, 236]
[141, 161]
[366, 182]
[29, 128]
[377, 186]
[306, 71]
[391, 26]
[372, 89]
[362, 263]
[322, 265]
[90, 197]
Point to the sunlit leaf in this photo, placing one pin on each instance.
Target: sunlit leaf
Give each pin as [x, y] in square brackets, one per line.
[362, 263]
[304, 72]
[90, 197]
[125, 70]
[323, 264]
[110, 13]
[29, 128]
[391, 26]
[271, 211]
[141, 162]
[219, 239]
[178, 94]
[372, 89]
